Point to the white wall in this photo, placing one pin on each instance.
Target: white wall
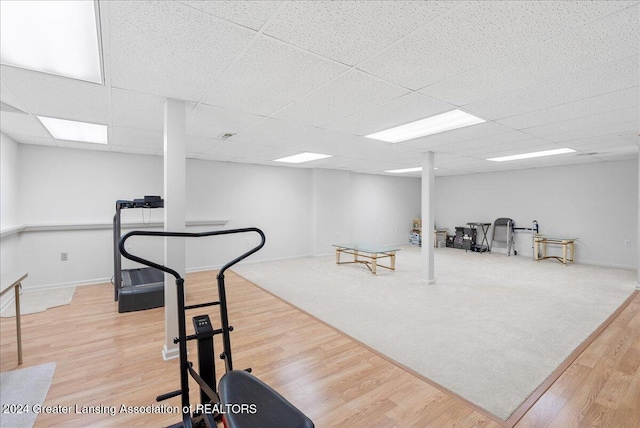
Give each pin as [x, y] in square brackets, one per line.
[9, 178]
[67, 185]
[383, 208]
[330, 210]
[363, 208]
[78, 186]
[274, 199]
[8, 182]
[72, 187]
[302, 211]
[596, 202]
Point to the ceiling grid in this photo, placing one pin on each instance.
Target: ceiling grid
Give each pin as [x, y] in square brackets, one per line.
[287, 77]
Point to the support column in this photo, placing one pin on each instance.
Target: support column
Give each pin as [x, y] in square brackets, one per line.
[175, 141]
[428, 217]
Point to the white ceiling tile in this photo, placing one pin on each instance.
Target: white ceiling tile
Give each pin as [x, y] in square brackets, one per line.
[565, 71]
[336, 162]
[350, 93]
[252, 14]
[517, 148]
[199, 145]
[632, 137]
[8, 97]
[567, 159]
[405, 109]
[134, 137]
[273, 132]
[269, 76]
[38, 141]
[446, 159]
[22, 124]
[630, 154]
[451, 172]
[333, 143]
[83, 146]
[609, 129]
[599, 104]
[55, 96]
[321, 136]
[586, 122]
[611, 77]
[136, 150]
[228, 150]
[476, 33]
[348, 32]
[469, 133]
[137, 110]
[10, 109]
[483, 166]
[360, 147]
[619, 146]
[321, 141]
[169, 49]
[472, 145]
[367, 166]
[588, 46]
[386, 152]
[209, 121]
[601, 141]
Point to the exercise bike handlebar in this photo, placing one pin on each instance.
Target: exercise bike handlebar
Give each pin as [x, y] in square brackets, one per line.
[170, 271]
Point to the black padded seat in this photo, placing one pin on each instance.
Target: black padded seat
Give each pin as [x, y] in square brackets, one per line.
[239, 387]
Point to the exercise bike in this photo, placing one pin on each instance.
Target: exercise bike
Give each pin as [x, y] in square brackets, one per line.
[240, 400]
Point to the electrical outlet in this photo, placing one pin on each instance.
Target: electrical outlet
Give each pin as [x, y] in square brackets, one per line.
[64, 257]
[627, 243]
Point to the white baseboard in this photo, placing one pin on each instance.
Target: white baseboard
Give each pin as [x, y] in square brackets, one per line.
[58, 286]
[610, 265]
[66, 284]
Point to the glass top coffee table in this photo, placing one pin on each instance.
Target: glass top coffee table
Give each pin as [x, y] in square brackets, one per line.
[367, 254]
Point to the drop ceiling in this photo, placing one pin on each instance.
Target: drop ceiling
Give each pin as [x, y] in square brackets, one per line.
[315, 76]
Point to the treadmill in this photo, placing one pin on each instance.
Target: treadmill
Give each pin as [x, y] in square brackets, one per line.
[140, 288]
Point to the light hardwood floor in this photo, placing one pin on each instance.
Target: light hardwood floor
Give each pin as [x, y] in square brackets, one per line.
[109, 359]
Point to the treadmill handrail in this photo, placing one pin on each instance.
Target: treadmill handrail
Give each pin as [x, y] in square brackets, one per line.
[170, 271]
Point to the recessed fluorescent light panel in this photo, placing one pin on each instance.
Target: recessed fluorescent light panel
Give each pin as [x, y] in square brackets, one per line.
[532, 155]
[432, 125]
[71, 130]
[57, 37]
[303, 157]
[402, 171]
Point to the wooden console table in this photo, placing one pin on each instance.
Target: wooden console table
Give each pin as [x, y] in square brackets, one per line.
[9, 281]
[541, 241]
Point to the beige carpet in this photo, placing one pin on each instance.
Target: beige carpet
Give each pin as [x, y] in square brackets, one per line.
[491, 329]
[39, 301]
[21, 392]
